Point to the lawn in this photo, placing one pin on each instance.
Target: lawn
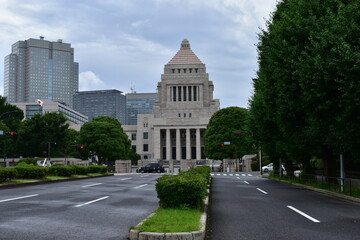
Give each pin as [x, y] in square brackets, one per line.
[171, 220]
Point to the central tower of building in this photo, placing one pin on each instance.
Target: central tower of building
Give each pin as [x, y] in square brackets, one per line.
[182, 111]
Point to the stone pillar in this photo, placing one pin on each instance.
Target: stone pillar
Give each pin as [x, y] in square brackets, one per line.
[188, 144]
[178, 145]
[157, 143]
[168, 145]
[198, 144]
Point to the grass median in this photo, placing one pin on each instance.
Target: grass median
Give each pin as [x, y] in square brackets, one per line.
[171, 220]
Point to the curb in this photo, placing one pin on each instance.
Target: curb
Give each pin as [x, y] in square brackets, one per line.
[323, 191]
[134, 234]
[13, 185]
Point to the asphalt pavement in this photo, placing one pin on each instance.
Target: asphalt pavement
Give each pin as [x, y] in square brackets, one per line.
[96, 208]
[246, 206]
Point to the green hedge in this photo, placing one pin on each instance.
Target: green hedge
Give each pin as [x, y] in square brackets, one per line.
[26, 170]
[7, 174]
[189, 188]
[79, 170]
[31, 172]
[97, 169]
[60, 170]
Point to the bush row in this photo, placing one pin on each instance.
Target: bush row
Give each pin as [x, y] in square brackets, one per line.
[188, 189]
[35, 172]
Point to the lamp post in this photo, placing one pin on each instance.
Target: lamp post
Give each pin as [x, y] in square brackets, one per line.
[49, 148]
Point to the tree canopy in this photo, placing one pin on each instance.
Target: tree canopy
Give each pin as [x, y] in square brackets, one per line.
[35, 134]
[105, 137]
[306, 98]
[228, 125]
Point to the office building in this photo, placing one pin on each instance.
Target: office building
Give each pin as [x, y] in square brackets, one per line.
[101, 103]
[40, 69]
[138, 103]
[75, 119]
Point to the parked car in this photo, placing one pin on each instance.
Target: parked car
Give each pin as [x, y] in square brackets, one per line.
[267, 168]
[152, 168]
[270, 168]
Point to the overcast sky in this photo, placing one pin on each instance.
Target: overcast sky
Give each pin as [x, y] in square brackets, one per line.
[124, 44]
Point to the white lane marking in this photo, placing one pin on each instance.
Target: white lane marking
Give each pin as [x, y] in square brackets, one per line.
[249, 175]
[123, 179]
[224, 174]
[231, 174]
[96, 200]
[218, 174]
[212, 174]
[140, 186]
[246, 182]
[11, 199]
[90, 185]
[261, 191]
[238, 178]
[236, 174]
[243, 175]
[304, 214]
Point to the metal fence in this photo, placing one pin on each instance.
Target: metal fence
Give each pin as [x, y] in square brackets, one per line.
[348, 186]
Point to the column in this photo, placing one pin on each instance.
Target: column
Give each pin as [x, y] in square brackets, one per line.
[178, 145]
[168, 145]
[157, 143]
[188, 144]
[198, 144]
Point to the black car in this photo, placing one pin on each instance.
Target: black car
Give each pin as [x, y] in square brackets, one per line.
[151, 168]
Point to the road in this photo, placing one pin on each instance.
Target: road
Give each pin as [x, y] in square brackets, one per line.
[97, 208]
[245, 206]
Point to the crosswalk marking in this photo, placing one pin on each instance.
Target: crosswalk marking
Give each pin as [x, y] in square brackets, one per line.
[231, 174]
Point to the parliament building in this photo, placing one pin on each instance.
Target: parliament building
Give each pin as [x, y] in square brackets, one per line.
[175, 130]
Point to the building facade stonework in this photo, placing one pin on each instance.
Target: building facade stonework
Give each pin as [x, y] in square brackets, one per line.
[175, 130]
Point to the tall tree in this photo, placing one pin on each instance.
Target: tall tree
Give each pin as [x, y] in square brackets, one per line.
[105, 137]
[37, 132]
[228, 125]
[10, 121]
[309, 59]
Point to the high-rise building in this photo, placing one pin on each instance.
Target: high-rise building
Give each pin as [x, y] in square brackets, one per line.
[138, 103]
[101, 103]
[37, 68]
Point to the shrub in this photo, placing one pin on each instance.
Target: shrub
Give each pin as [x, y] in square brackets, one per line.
[32, 161]
[60, 170]
[31, 172]
[7, 174]
[97, 169]
[186, 189]
[79, 170]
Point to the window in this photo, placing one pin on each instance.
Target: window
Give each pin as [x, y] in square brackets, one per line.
[173, 70]
[133, 136]
[146, 135]
[184, 70]
[146, 147]
[189, 115]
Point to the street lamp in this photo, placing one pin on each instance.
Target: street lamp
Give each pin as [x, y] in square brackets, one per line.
[49, 147]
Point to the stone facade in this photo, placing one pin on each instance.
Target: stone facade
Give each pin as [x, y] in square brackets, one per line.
[175, 130]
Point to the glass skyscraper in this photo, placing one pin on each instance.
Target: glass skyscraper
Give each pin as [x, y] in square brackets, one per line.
[40, 69]
[101, 103]
[138, 103]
